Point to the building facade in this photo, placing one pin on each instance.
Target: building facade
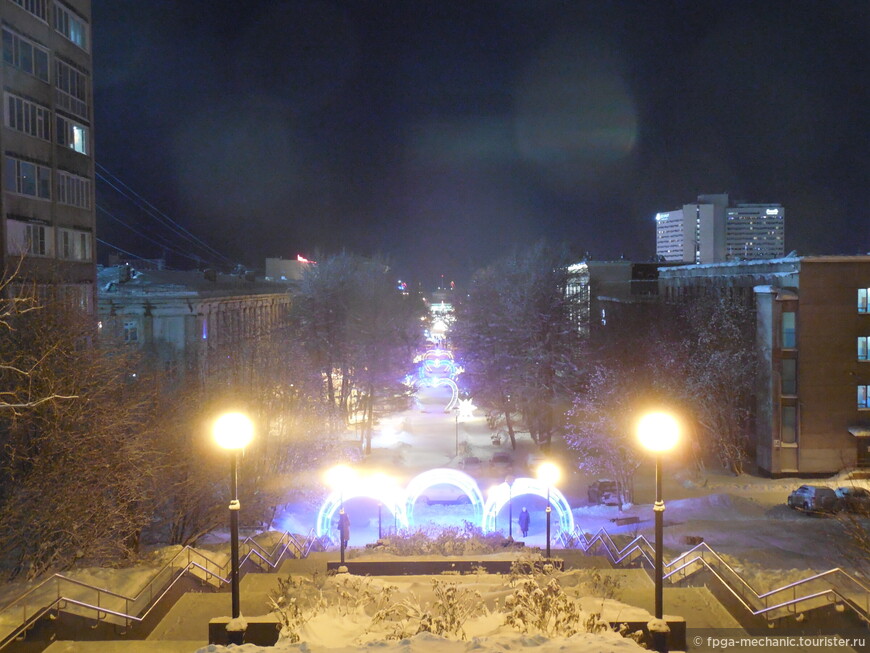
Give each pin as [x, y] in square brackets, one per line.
[812, 340]
[710, 231]
[47, 140]
[180, 318]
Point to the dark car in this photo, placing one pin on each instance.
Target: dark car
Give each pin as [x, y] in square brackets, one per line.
[853, 499]
[502, 461]
[813, 498]
[470, 462]
[604, 491]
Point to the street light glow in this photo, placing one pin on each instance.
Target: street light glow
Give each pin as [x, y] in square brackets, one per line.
[658, 432]
[339, 476]
[233, 431]
[549, 473]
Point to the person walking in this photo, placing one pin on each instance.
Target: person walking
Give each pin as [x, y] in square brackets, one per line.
[343, 528]
[524, 520]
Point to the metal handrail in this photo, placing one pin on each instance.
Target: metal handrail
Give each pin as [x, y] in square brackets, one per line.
[851, 591]
[185, 561]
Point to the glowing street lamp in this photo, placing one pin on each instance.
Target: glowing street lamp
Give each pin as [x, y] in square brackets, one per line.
[549, 474]
[658, 432]
[234, 431]
[338, 478]
[382, 484]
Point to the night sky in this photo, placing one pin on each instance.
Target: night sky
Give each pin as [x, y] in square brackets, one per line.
[442, 134]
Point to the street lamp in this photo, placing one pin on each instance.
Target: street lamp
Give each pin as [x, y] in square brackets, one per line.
[658, 432]
[510, 483]
[234, 431]
[549, 474]
[339, 477]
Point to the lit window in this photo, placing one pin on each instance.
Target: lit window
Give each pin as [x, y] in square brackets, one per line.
[26, 178]
[864, 396]
[72, 135]
[25, 55]
[71, 26]
[29, 238]
[863, 295]
[863, 348]
[788, 330]
[28, 117]
[74, 244]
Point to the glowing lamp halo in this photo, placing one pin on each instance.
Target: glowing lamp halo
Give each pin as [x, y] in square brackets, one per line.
[443, 476]
[390, 496]
[499, 496]
[658, 431]
[233, 431]
[548, 473]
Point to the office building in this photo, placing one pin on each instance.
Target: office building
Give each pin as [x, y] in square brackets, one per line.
[47, 142]
[711, 231]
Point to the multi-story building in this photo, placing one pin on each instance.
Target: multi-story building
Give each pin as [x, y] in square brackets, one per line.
[180, 318]
[709, 231]
[47, 140]
[813, 352]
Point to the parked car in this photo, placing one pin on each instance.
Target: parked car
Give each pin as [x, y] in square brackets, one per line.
[853, 499]
[443, 493]
[502, 461]
[604, 491]
[813, 498]
[469, 462]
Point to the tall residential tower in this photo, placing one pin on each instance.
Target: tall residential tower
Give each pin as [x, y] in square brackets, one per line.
[47, 144]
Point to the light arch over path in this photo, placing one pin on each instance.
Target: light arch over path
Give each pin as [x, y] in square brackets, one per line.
[392, 498]
[442, 476]
[501, 494]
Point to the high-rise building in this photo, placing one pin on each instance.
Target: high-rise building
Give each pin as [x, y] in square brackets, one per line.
[709, 231]
[47, 141]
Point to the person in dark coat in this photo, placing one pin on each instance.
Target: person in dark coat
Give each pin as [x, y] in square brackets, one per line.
[524, 520]
[343, 528]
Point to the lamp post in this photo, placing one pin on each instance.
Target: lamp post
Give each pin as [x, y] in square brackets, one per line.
[549, 474]
[234, 431]
[510, 483]
[658, 432]
[457, 432]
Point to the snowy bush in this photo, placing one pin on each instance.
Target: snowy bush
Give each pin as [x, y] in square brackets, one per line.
[547, 611]
[445, 617]
[295, 602]
[447, 541]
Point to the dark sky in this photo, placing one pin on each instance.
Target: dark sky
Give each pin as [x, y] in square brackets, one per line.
[441, 134]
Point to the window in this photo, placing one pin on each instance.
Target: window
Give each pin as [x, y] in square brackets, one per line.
[70, 26]
[28, 117]
[788, 330]
[789, 376]
[788, 424]
[25, 55]
[73, 190]
[29, 238]
[26, 178]
[863, 295]
[71, 89]
[863, 348]
[131, 332]
[72, 135]
[74, 245]
[864, 396]
[38, 8]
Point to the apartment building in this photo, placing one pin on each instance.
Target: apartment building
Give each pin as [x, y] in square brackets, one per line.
[47, 140]
[813, 355]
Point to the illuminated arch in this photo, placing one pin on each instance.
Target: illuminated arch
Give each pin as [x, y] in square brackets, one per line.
[501, 494]
[439, 366]
[391, 496]
[438, 354]
[442, 476]
[450, 383]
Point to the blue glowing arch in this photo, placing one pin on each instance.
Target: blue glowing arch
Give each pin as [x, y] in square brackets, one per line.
[460, 480]
[500, 495]
[438, 367]
[392, 498]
